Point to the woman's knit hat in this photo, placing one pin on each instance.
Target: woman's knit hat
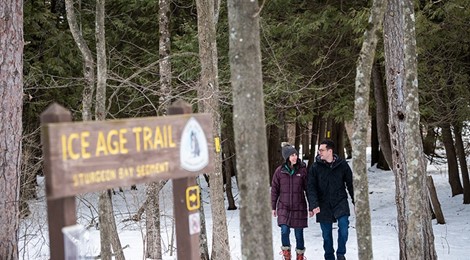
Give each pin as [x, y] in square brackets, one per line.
[287, 150]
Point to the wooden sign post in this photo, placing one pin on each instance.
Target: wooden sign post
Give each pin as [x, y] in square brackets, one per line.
[91, 156]
[186, 207]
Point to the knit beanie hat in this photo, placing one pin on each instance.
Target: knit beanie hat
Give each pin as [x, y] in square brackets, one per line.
[287, 150]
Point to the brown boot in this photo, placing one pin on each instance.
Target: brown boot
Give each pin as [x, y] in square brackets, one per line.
[285, 252]
[300, 254]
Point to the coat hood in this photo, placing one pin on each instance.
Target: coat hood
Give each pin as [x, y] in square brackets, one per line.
[337, 161]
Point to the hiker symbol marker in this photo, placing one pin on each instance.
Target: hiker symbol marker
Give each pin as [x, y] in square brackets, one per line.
[194, 155]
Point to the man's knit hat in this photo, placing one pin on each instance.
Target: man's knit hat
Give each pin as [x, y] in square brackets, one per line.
[287, 150]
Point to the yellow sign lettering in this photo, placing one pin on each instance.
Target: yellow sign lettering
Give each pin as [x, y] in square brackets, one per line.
[127, 172]
[85, 144]
[137, 131]
[147, 139]
[122, 141]
[67, 147]
[101, 147]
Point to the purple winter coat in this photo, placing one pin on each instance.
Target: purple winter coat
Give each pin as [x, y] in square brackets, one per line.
[288, 195]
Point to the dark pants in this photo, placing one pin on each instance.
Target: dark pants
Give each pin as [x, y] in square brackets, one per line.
[327, 233]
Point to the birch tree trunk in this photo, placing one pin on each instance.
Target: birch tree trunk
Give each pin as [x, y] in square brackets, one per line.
[108, 230]
[153, 236]
[88, 62]
[250, 129]
[101, 64]
[11, 129]
[152, 220]
[416, 238]
[359, 139]
[208, 94]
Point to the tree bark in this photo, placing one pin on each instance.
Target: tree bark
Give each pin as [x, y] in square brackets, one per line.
[429, 142]
[374, 141]
[274, 149]
[209, 96]
[452, 164]
[298, 132]
[152, 220]
[101, 64]
[305, 142]
[314, 138]
[359, 138]
[108, 230]
[204, 250]
[228, 171]
[153, 238]
[381, 113]
[11, 94]
[164, 54]
[435, 201]
[250, 129]
[88, 62]
[462, 162]
[415, 232]
[339, 135]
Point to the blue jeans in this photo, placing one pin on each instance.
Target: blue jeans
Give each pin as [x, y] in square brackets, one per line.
[299, 236]
[327, 233]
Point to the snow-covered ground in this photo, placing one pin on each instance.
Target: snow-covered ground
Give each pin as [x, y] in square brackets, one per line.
[452, 240]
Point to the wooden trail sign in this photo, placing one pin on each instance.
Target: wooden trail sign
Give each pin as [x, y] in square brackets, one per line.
[98, 155]
[91, 156]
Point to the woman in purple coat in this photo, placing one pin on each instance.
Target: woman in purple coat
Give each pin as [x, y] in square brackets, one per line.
[288, 200]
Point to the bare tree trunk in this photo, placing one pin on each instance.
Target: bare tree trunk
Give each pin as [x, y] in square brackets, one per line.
[339, 134]
[416, 238]
[204, 250]
[322, 131]
[250, 129]
[152, 221]
[101, 64]
[105, 229]
[108, 229]
[381, 113]
[88, 62]
[435, 201]
[452, 164]
[429, 142]
[298, 132]
[11, 129]
[314, 138]
[229, 171]
[462, 161]
[209, 96]
[305, 142]
[374, 140]
[154, 244]
[274, 149]
[164, 54]
[359, 139]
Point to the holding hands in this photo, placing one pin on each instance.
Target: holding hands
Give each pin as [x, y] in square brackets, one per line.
[314, 211]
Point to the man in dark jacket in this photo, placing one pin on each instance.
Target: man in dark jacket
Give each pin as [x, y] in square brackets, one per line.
[288, 200]
[327, 181]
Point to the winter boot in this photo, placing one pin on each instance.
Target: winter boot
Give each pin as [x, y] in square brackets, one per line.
[300, 254]
[285, 252]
